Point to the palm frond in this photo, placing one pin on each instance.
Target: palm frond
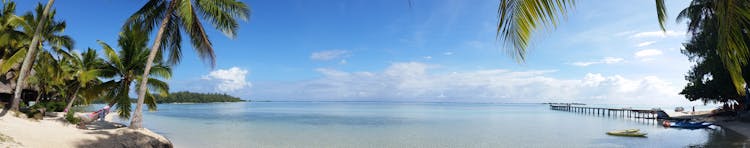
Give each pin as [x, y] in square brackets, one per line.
[519, 19]
[161, 87]
[161, 71]
[150, 100]
[172, 40]
[13, 60]
[220, 14]
[661, 13]
[87, 76]
[148, 16]
[199, 39]
[111, 55]
[732, 16]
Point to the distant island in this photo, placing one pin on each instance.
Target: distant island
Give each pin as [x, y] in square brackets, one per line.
[191, 97]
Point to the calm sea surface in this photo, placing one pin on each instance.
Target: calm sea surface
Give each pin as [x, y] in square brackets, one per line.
[378, 124]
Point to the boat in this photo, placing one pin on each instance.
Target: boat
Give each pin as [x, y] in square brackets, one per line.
[687, 124]
[628, 133]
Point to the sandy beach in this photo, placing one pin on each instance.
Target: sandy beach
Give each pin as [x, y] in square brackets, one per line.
[56, 132]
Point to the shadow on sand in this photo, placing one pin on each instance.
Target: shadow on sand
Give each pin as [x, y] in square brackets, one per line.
[121, 139]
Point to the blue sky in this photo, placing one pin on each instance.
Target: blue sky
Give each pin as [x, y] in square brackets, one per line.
[437, 50]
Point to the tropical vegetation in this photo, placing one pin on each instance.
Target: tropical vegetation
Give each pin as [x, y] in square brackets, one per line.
[708, 80]
[122, 69]
[34, 52]
[174, 17]
[519, 19]
[191, 97]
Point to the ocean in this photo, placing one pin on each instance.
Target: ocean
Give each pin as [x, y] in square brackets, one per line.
[394, 124]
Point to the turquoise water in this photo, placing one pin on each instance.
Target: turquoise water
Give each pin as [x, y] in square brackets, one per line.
[378, 124]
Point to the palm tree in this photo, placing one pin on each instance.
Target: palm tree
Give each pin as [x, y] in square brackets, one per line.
[19, 40]
[174, 16]
[48, 74]
[26, 65]
[84, 68]
[10, 42]
[518, 19]
[122, 69]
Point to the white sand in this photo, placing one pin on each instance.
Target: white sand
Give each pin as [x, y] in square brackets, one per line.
[55, 132]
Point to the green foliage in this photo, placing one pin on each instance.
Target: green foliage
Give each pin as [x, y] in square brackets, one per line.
[70, 117]
[122, 69]
[53, 106]
[708, 80]
[187, 16]
[35, 111]
[190, 97]
[519, 19]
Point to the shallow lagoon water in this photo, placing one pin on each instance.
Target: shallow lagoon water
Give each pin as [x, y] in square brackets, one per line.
[387, 124]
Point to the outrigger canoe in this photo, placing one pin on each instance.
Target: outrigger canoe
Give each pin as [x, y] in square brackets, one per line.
[687, 124]
[628, 133]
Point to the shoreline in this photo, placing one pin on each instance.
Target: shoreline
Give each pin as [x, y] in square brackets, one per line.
[735, 125]
[56, 132]
[729, 123]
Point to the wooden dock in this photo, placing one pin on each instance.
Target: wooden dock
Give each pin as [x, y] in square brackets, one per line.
[608, 112]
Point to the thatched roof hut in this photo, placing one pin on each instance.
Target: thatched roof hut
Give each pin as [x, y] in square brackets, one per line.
[7, 83]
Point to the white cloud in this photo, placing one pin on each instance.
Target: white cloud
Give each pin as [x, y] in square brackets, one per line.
[228, 79]
[447, 53]
[583, 64]
[427, 57]
[610, 60]
[642, 44]
[647, 53]
[329, 55]
[605, 60]
[651, 34]
[413, 81]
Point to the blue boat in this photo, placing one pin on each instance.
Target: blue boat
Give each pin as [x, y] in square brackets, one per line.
[687, 124]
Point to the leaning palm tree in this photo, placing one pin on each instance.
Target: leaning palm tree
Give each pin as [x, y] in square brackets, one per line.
[174, 16]
[26, 65]
[84, 69]
[121, 69]
[51, 33]
[518, 19]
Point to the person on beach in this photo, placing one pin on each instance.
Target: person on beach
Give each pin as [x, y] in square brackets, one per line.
[693, 109]
[91, 117]
[103, 112]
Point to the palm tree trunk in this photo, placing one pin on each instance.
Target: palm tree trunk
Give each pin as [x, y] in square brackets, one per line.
[38, 96]
[26, 66]
[137, 121]
[70, 104]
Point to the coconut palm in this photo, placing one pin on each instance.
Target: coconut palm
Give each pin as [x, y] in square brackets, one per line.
[10, 42]
[122, 69]
[40, 36]
[518, 19]
[51, 33]
[48, 74]
[174, 16]
[84, 69]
